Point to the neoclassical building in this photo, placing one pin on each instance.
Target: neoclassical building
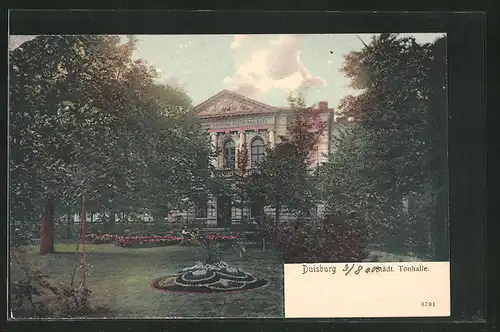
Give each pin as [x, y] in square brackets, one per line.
[234, 120]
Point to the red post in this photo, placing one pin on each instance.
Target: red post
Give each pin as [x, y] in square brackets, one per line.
[82, 234]
[47, 231]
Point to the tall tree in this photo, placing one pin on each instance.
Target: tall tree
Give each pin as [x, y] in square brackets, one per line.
[284, 178]
[385, 156]
[85, 118]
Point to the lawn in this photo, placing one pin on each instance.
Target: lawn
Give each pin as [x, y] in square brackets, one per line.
[120, 279]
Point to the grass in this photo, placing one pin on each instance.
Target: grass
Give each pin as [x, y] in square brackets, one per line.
[120, 279]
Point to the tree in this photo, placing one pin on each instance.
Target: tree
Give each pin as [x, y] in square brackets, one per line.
[87, 119]
[41, 126]
[385, 155]
[284, 178]
[179, 165]
[241, 179]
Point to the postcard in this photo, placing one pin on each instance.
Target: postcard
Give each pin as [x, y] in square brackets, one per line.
[228, 176]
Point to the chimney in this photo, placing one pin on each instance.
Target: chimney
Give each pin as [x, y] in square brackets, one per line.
[323, 105]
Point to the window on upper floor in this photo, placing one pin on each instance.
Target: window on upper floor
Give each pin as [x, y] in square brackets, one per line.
[229, 154]
[258, 150]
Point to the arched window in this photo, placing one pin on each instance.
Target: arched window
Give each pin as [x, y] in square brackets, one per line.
[258, 150]
[229, 154]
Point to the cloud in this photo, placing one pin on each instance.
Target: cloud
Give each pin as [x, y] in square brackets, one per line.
[263, 64]
[247, 89]
[173, 82]
[312, 82]
[16, 41]
[283, 57]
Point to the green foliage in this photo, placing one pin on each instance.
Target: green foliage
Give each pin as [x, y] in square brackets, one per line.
[33, 296]
[284, 178]
[85, 118]
[396, 145]
[334, 238]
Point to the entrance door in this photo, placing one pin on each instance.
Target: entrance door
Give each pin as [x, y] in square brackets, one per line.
[257, 212]
[223, 212]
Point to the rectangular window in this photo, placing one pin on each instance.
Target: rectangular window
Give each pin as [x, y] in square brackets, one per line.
[200, 210]
[211, 208]
[409, 202]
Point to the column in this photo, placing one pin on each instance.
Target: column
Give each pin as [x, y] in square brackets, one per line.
[242, 139]
[215, 161]
[241, 142]
[271, 138]
[238, 148]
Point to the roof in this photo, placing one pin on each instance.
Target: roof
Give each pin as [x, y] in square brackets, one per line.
[228, 103]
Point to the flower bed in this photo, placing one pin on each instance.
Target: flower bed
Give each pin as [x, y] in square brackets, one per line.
[101, 238]
[209, 278]
[148, 241]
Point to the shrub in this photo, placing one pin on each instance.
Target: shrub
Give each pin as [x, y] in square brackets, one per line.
[34, 296]
[72, 301]
[211, 246]
[332, 239]
[24, 292]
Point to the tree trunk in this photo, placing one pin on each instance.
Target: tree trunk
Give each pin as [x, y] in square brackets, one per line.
[47, 234]
[111, 227]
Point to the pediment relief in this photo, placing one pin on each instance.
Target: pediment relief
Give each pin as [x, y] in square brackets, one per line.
[227, 103]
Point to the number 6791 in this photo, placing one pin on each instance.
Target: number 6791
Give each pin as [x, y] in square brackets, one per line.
[428, 304]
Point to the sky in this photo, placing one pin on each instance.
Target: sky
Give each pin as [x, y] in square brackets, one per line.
[263, 67]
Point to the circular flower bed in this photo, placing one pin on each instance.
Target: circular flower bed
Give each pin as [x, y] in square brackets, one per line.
[209, 278]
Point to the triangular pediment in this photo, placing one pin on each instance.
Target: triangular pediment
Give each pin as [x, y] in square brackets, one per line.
[227, 103]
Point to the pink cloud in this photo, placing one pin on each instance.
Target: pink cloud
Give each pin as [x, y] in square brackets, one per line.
[263, 64]
[247, 89]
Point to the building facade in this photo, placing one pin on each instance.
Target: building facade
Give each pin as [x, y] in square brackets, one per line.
[233, 121]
